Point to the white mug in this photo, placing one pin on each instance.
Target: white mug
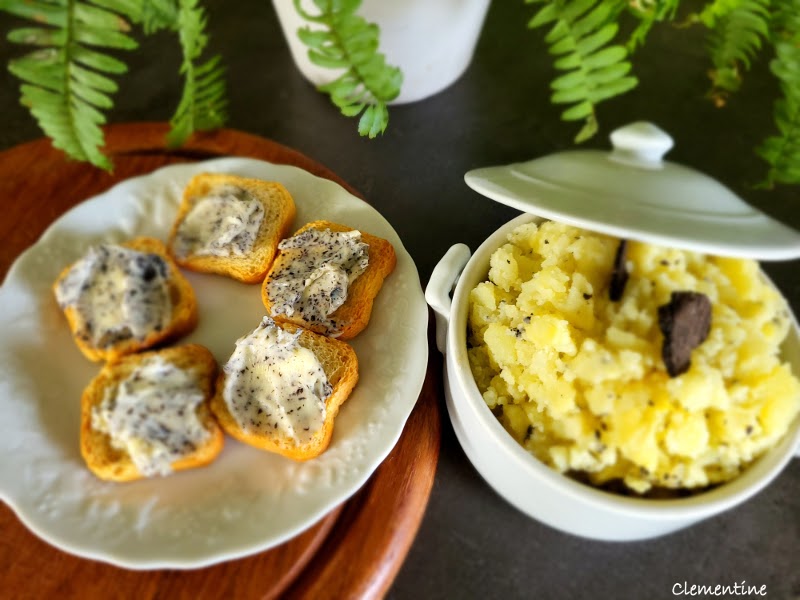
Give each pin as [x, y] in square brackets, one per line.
[431, 41]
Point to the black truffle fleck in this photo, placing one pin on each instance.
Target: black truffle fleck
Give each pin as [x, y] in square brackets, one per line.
[619, 276]
[685, 322]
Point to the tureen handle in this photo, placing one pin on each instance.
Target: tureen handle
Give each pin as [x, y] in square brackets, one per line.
[443, 280]
[640, 144]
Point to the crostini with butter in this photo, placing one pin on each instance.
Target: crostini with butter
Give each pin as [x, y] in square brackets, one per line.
[326, 277]
[123, 298]
[231, 225]
[148, 414]
[282, 387]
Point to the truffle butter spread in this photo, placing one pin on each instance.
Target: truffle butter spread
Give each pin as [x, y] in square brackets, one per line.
[152, 415]
[117, 294]
[275, 386]
[224, 223]
[315, 271]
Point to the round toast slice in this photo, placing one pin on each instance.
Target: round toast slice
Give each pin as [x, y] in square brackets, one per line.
[184, 309]
[112, 464]
[279, 212]
[353, 316]
[340, 364]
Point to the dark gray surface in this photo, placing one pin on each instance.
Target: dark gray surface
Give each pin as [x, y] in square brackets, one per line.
[471, 543]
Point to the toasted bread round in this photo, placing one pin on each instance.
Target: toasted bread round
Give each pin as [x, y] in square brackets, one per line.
[355, 313]
[279, 212]
[184, 309]
[112, 464]
[340, 364]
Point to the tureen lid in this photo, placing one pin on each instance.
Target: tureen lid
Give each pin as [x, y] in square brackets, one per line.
[631, 192]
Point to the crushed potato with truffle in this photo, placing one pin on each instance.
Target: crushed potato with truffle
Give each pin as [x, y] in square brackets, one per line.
[579, 379]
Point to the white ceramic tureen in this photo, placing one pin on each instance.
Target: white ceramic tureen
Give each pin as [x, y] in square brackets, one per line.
[629, 193]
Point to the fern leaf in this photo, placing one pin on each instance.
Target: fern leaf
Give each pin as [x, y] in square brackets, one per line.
[152, 15]
[37, 36]
[786, 20]
[648, 14]
[733, 43]
[782, 151]
[41, 12]
[713, 12]
[66, 83]
[203, 103]
[348, 42]
[579, 38]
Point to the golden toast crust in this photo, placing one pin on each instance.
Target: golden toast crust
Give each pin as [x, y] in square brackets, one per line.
[340, 364]
[279, 212]
[111, 464]
[357, 309]
[184, 308]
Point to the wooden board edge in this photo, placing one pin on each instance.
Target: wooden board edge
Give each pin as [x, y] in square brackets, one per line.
[385, 532]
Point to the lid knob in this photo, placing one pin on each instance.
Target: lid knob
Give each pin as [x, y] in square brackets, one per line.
[640, 144]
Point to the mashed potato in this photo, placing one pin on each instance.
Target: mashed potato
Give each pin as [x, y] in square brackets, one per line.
[580, 382]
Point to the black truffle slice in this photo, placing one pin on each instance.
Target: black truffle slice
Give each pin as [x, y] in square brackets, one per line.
[685, 323]
[619, 276]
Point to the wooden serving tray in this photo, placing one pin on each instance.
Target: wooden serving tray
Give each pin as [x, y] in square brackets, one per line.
[353, 552]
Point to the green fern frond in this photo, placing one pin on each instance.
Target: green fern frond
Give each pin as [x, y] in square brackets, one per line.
[67, 82]
[786, 20]
[203, 103]
[713, 12]
[648, 13]
[347, 41]
[595, 71]
[782, 151]
[733, 43]
[152, 15]
[159, 14]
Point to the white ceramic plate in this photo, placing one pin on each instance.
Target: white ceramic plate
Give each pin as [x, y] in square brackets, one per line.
[247, 500]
